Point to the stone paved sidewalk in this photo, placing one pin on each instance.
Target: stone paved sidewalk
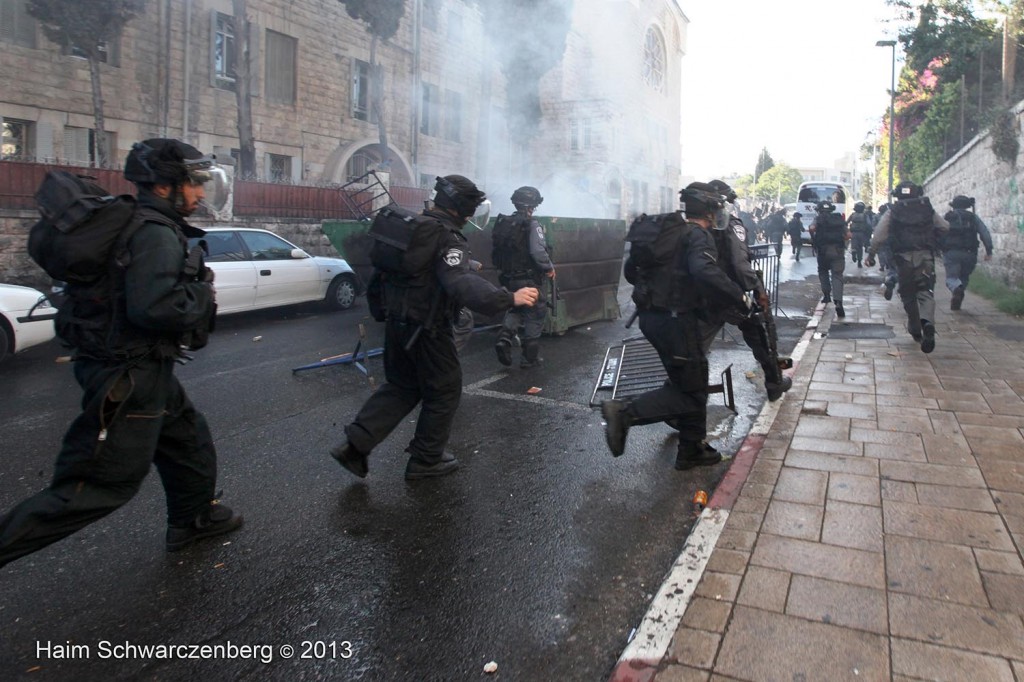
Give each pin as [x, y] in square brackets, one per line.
[879, 533]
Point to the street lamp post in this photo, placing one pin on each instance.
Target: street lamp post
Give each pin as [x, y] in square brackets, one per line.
[892, 109]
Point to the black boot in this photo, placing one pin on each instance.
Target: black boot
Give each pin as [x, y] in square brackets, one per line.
[696, 454]
[840, 311]
[927, 336]
[958, 298]
[531, 354]
[777, 388]
[503, 347]
[351, 459]
[617, 424]
[215, 519]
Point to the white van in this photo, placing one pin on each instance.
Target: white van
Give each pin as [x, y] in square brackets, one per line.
[808, 196]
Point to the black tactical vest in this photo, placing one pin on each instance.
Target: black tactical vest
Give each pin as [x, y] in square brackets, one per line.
[859, 224]
[830, 230]
[911, 227]
[963, 231]
[510, 251]
[658, 250]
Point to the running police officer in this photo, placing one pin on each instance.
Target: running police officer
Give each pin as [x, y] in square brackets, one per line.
[795, 227]
[729, 235]
[521, 256]
[913, 230]
[829, 233]
[960, 246]
[125, 343]
[421, 363]
[860, 230]
[669, 303]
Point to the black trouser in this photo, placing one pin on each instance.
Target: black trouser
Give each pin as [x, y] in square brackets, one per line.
[684, 396]
[430, 373]
[831, 265]
[132, 416]
[753, 336]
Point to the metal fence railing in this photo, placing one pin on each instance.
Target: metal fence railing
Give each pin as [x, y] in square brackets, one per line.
[765, 262]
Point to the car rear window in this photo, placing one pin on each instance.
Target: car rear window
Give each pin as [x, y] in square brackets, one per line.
[823, 193]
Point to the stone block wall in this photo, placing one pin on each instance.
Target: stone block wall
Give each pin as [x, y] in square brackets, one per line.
[975, 171]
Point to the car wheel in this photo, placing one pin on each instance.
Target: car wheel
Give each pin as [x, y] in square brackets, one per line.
[341, 295]
[6, 341]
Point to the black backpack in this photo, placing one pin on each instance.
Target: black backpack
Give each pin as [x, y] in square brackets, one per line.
[653, 239]
[404, 247]
[83, 229]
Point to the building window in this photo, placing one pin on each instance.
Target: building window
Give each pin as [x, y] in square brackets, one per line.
[430, 110]
[362, 108]
[80, 146]
[279, 168]
[224, 51]
[280, 72]
[654, 60]
[361, 163]
[574, 134]
[588, 137]
[16, 26]
[17, 142]
[453, 116]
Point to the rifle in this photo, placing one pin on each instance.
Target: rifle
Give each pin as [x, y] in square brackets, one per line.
[769, 336]
[552, 301]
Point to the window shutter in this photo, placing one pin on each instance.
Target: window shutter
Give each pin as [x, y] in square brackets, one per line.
[44, 141]
[76, 146]
[266, 166]
[296, 170]
[7, 19]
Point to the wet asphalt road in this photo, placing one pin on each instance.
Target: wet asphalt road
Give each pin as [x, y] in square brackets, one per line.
[541, 553]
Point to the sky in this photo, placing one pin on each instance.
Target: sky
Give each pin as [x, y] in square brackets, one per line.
[802, 78]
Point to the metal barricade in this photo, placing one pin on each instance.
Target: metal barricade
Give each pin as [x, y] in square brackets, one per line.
[765, 262]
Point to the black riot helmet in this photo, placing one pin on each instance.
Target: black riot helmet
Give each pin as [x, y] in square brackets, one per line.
[527, 197]
[725, 190]
[960, 201]
[167, 161]
[858, 207]
[701, 198]
[907, 190]
[458, 193]
[798, 215]
[825, 207]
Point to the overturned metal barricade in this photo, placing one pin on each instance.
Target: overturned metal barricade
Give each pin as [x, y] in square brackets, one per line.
[633, 367]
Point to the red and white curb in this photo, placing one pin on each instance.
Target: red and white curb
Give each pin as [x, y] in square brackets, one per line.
[649, 644]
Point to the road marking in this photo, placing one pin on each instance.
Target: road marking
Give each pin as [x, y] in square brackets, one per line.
[477, 388]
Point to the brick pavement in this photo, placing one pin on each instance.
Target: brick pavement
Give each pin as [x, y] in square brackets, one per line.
[878, 534]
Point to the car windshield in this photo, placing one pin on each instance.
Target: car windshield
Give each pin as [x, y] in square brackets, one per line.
[813, 194]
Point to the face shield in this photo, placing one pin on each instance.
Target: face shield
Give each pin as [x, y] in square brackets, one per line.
[722, 216]
[481, 215]
[214, 180]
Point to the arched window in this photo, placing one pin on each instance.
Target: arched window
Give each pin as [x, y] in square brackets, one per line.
[654, 60]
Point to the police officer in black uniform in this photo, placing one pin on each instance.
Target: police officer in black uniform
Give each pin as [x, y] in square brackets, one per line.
[521, 254]
[126, 333]
[860, 231]
[960, 246]
[669, 318]
[829, 234]
[913, 230]
[729, 235]
[421, 363]
[795, 227]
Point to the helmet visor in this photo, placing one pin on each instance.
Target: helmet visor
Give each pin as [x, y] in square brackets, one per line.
[481, 215]
[215, 186]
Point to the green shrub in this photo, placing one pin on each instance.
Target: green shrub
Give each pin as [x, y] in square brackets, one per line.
[1008, 299]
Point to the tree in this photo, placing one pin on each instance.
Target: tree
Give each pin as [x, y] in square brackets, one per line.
[87, 28]
[764, 162]
[382, 19]
[243, 91]
[778, 184]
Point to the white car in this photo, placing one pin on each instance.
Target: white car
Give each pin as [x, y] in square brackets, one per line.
[257, 269]
[26, 319]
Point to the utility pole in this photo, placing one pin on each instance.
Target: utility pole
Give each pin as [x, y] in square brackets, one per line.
[892, 110]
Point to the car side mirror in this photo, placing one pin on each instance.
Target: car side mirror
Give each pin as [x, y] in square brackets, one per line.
[299, 253]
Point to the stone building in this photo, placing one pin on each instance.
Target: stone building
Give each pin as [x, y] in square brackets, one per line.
[607, 144]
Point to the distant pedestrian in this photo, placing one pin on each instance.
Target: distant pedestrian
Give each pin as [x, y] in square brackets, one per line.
[796, 231]
[913, 231]
[775, 229]
[960, 247]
